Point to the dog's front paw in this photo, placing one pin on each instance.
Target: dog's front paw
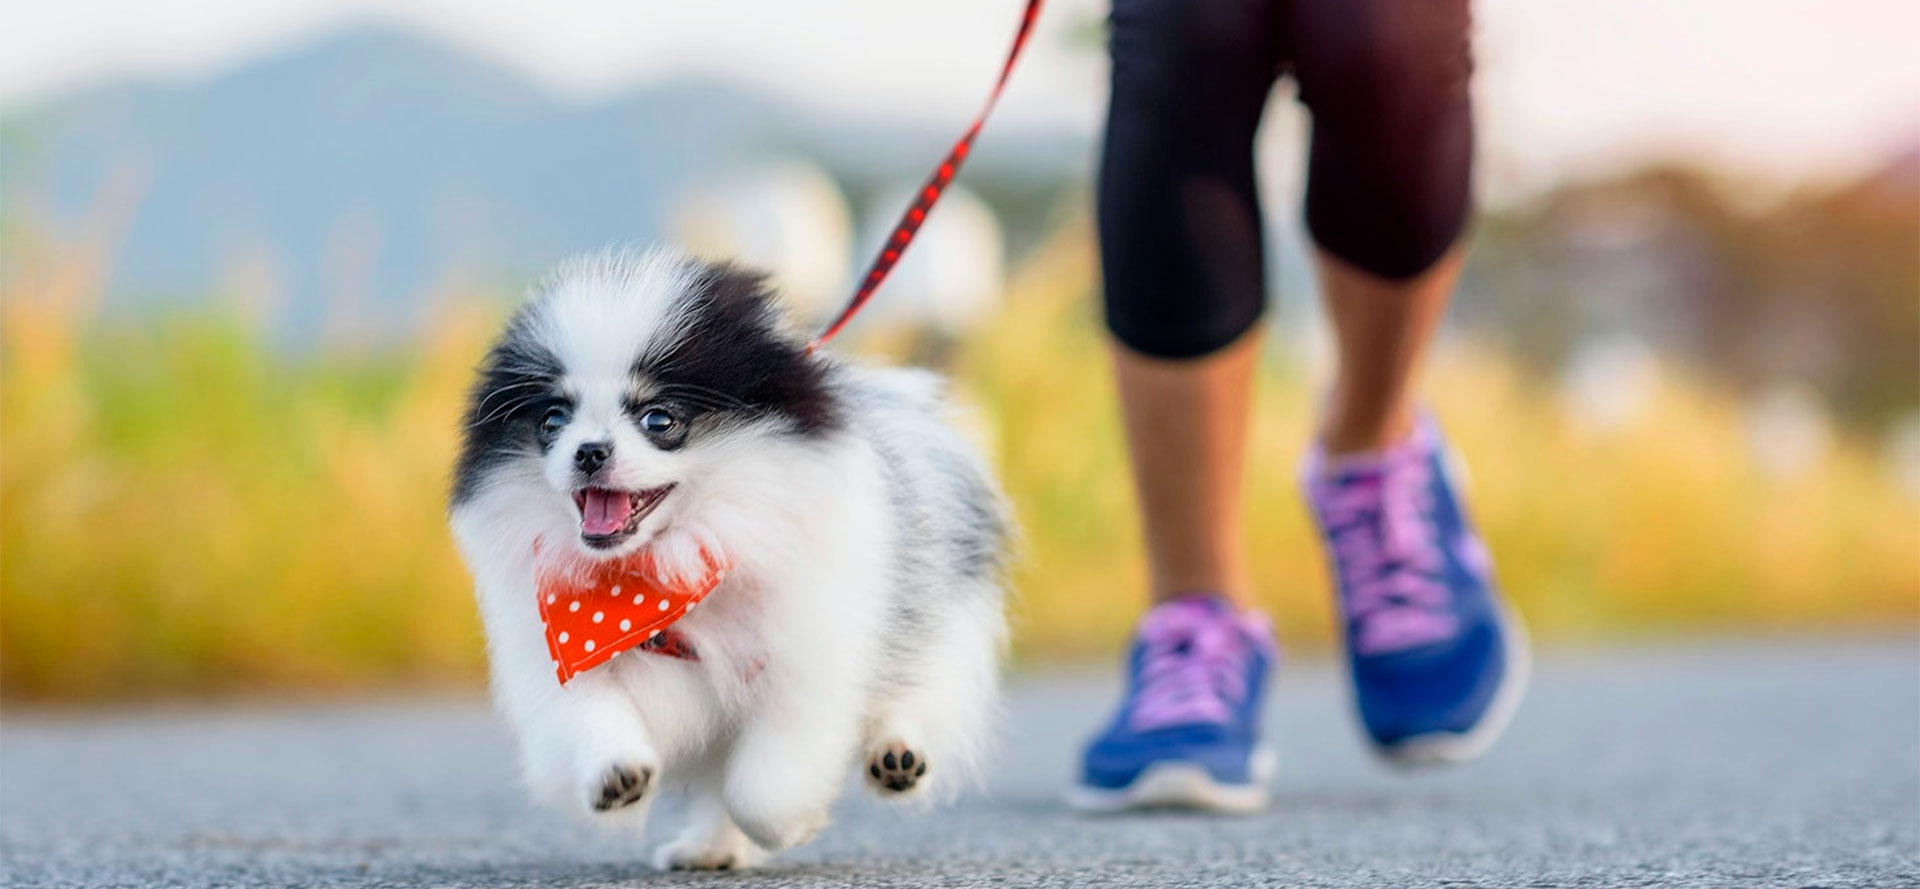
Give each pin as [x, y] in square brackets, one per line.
[618, 786]
[779, 835]
[733, 852]
[893, 767]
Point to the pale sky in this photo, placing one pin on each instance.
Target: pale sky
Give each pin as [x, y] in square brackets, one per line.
[1790, 89]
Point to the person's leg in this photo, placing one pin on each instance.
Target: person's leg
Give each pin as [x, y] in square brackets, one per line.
[1181, 252]
[1388, 192]
[1186, 426]
[1381, 326]
[1438, 661]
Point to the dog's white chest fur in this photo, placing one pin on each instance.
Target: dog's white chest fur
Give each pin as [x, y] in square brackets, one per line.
[861, 623]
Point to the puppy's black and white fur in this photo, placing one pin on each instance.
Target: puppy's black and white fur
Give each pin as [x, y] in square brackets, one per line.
[650, 401]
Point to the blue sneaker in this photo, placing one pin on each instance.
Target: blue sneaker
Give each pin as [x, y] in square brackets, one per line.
[1188, 733]
[1439, 662]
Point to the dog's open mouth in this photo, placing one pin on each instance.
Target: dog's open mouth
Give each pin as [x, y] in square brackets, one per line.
[608, 517]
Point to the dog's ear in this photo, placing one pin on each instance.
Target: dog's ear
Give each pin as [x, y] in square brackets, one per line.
[738, 293]
[734, 306]
[734, 341]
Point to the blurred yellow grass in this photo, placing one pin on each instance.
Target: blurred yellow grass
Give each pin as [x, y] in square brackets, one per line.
[1663, 525]
[186, 508]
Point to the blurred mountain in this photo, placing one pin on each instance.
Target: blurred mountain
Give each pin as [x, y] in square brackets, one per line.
[364, 172]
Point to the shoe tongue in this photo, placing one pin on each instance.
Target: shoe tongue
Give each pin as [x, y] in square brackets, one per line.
[1180, 618]
[1344, 469]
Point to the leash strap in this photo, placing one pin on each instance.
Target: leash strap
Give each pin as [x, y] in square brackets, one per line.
[936, 185]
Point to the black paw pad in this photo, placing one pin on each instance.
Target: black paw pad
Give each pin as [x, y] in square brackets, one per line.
[896, 768]
[620, 787]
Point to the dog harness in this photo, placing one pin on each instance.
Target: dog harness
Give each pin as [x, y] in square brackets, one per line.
[598, 610]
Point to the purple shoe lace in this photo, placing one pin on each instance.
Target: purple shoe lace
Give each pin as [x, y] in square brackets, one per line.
[1193, 670]
[1377, 514]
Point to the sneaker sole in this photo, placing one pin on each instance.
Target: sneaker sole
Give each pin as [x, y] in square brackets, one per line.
[1448, 748]
[1181, 785]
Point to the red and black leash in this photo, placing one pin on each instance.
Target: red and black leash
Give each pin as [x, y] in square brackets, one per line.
[936, 185]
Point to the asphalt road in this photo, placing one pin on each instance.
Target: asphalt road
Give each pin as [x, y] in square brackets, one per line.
[1728, 764]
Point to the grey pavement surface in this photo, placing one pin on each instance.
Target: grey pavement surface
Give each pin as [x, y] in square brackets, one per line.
[1701, 764]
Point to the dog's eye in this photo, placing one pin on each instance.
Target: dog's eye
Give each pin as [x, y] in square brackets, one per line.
[555, 420]
[656, 421]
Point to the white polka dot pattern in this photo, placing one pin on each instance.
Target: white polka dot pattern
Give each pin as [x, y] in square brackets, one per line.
[581, 639]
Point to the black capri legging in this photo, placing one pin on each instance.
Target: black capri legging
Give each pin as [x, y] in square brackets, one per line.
[1387, 182]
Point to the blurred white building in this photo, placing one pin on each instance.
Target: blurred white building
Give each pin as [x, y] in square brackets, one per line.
[954, 274]
[1901, 453]
[1608, 382]
[1788, 431]
[786, 217]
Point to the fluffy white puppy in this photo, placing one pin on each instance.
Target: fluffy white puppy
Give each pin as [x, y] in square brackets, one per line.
[652, 404]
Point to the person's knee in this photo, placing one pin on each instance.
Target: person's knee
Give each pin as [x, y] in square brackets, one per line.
[1396, 227]
[1389, 64]
[1179, 223]
[1199, 326]
[1390, 178]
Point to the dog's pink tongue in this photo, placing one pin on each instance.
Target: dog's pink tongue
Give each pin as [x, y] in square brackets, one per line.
[604, 512]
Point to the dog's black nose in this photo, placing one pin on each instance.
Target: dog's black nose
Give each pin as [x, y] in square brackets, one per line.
[592, 456]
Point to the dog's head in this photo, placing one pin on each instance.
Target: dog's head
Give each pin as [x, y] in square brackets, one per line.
[623, 387]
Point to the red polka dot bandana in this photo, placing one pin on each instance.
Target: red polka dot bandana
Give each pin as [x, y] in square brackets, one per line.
[597, 611]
